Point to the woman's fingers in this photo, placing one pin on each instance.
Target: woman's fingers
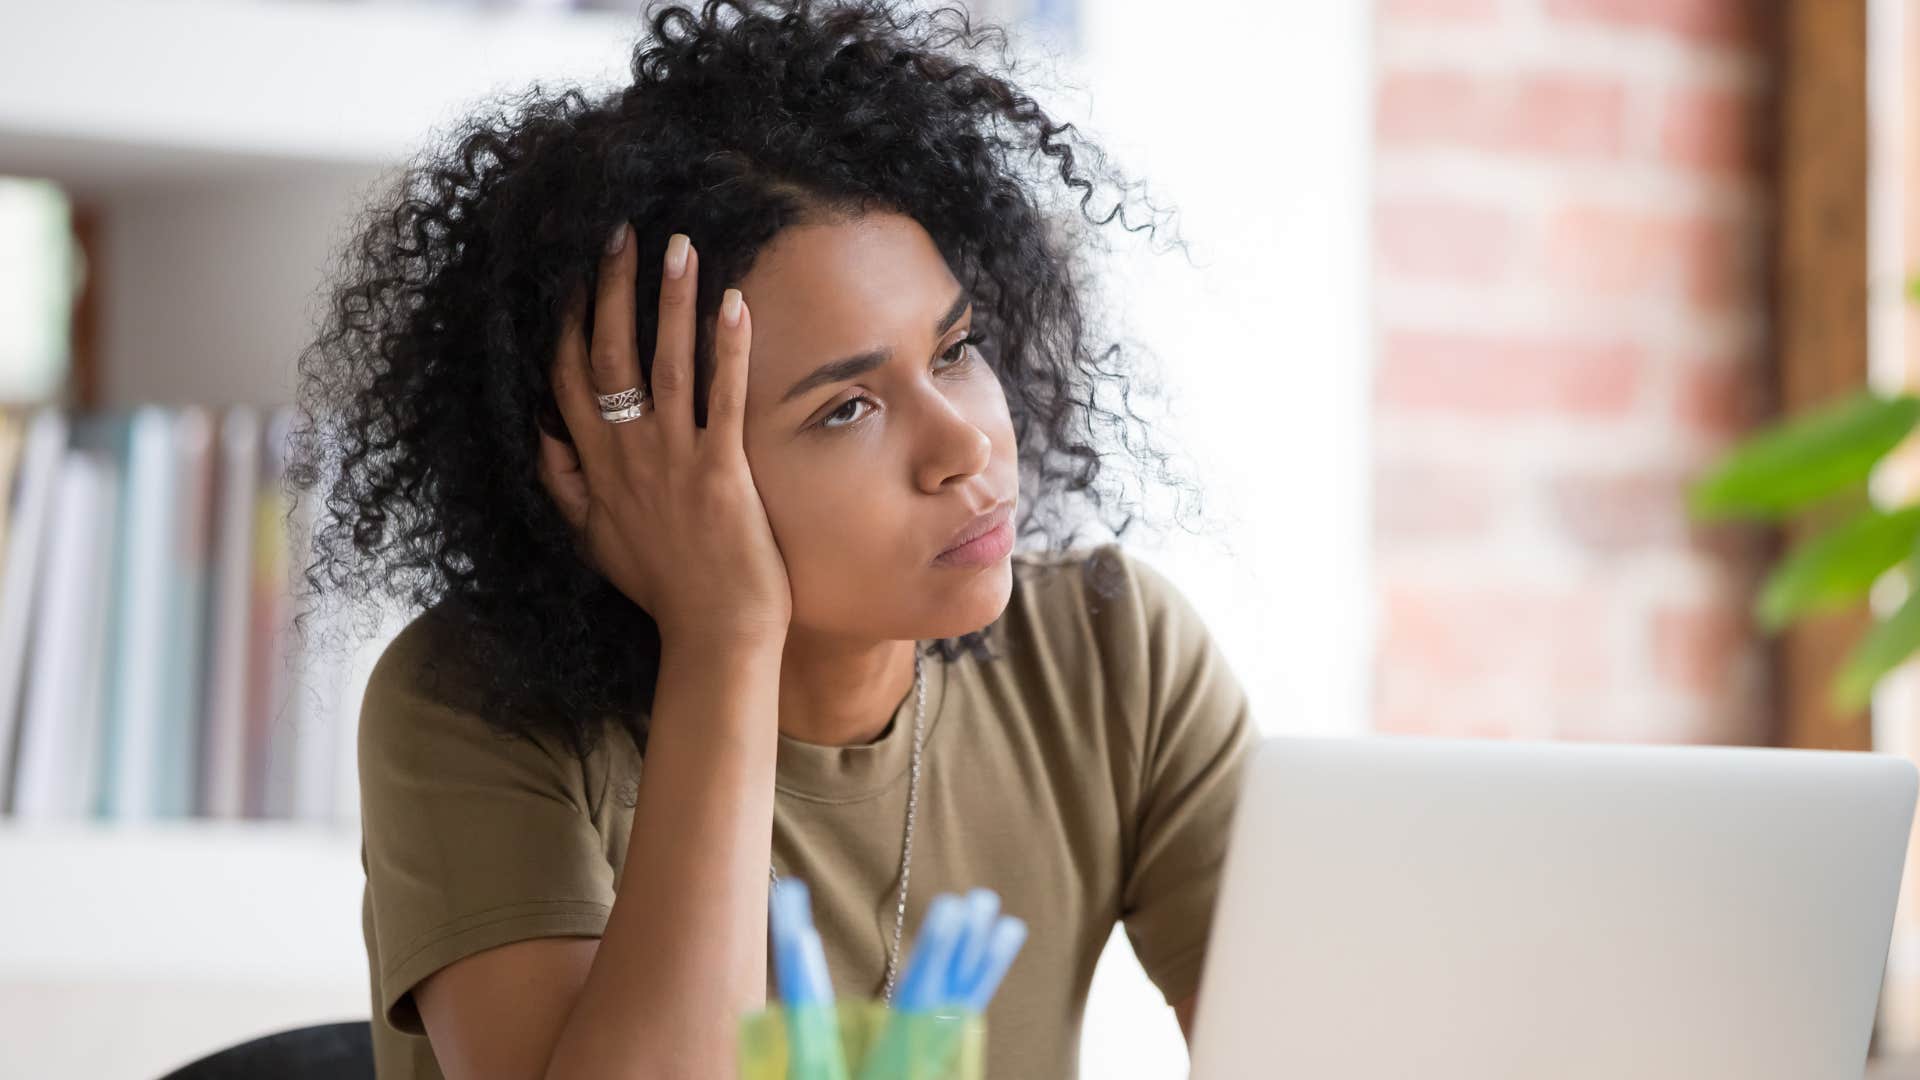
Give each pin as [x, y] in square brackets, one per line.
[615, 361]
[561, 474]
[572, 391]
[727, 398]
[671, 377]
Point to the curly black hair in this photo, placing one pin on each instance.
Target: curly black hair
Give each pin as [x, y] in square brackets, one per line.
[422, 394]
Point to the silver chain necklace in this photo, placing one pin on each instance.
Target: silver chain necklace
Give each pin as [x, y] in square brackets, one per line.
[906, 846]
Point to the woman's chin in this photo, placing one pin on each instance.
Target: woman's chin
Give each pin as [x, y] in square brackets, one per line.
[969, 600]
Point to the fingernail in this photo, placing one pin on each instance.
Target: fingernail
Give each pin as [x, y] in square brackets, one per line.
[617, 239]
[677, 245]
[730, 307]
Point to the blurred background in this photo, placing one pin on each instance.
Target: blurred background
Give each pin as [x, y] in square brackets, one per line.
[1474, 290]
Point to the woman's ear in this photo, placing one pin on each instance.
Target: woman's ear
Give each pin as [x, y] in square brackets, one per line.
[561, 475]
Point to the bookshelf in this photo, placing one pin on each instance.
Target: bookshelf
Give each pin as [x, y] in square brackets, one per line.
[214, 151]
[194, 132]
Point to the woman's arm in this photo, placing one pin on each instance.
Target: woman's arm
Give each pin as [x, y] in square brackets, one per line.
[668, 512]
[684, 952]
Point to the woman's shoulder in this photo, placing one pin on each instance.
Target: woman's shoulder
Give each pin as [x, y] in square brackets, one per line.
[1118, 661]
[1103, 591]
[411, 668]
[1099, 627]
[414, 703]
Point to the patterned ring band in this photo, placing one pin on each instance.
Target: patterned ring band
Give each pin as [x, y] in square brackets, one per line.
[618, 408]
[609, 402]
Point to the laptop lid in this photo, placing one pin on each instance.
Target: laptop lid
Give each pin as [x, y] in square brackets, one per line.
[1473, 909]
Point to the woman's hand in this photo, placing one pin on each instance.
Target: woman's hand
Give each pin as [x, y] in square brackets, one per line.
[666, 511]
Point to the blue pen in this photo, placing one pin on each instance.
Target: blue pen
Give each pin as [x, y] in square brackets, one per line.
[1002, 945]
[924, 986]
[806, 990]
[899, 1051]
[959, 958]
[982, 905]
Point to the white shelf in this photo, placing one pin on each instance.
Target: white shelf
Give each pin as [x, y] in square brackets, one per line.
[226, 145]
[207, 901]
[193, 935]
[102, 94]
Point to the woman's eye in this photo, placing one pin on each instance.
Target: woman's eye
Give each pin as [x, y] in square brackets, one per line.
[957, 354]
[964, 349]
[827, 422]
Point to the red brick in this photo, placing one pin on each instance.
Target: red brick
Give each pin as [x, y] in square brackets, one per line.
[1718, 400]
[1624, 252]
[1441, 240]
[1713, 22]
[1450, 10]
[1624, 511]
[1722, 260]
[1493, 375]
[1543, 114]
[1461, 637]
[1696, 648]
[1611, 251]
[1712, 130]
[1618, 724]
[1592, 659]
[1404, 706]
[1421, 503]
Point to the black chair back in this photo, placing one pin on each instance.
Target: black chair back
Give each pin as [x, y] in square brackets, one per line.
[342, 1051]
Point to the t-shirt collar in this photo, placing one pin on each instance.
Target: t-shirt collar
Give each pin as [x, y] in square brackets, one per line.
[840, 774]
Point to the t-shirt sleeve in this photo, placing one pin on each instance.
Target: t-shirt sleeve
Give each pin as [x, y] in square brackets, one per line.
[472, 840]
[1196, 737]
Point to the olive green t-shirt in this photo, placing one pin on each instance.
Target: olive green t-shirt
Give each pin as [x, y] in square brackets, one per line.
[1087, 773]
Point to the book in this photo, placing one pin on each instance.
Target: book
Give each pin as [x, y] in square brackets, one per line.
[183, 591]
[60, 726]
[43, 449]
[149, 667]
[270, 662]
[135, 717]
[223, 750]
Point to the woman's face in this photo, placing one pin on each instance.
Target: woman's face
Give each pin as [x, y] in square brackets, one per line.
[867, 475]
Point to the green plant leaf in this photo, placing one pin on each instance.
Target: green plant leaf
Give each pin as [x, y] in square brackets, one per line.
[1805, 458]
[1885, 647]
[1913, 288]
[1837, 567]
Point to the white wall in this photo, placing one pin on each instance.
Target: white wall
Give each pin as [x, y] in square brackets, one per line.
[1255, 126]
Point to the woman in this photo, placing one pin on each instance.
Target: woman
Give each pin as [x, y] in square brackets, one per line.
[668, 412]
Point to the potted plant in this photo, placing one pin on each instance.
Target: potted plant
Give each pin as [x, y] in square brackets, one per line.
[1819, 464]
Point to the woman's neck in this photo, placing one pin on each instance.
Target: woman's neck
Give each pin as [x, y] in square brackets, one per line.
[835, 692]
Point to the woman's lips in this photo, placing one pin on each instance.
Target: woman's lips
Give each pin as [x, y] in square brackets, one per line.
[983, 550]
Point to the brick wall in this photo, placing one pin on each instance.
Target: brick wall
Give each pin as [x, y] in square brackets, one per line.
[1570, 226]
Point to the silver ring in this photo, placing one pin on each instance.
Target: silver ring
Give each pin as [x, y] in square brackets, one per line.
[620, 400]
[625, 405]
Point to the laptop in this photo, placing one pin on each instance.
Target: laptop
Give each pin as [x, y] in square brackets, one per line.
[1401, 907]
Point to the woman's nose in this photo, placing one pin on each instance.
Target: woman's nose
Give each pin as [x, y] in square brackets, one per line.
[956, 446]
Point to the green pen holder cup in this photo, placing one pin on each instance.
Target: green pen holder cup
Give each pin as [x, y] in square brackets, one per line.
[930, 1046]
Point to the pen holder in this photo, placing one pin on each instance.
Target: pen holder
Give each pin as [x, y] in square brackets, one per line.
[921, 1046]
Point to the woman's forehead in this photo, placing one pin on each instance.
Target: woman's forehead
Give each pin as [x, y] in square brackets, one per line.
[820, 292]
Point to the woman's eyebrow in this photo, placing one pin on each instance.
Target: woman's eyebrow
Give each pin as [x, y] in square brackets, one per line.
[848, 367]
